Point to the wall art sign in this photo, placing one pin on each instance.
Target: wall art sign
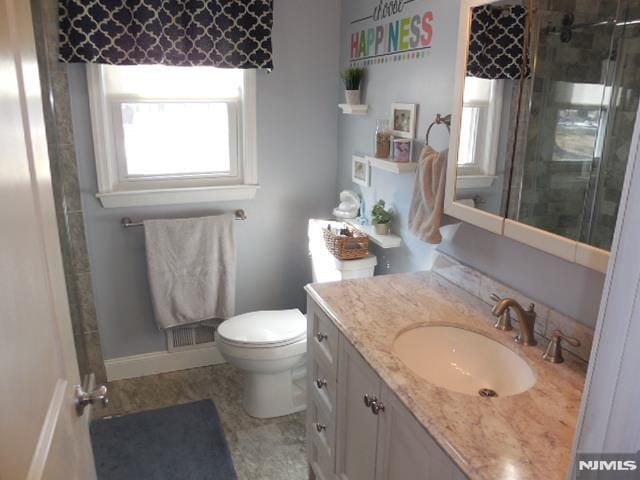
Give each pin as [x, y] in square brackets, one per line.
[392, 31]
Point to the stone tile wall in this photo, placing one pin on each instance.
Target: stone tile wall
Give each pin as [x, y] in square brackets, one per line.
[66, 190]
[577, 200]
[547, 320]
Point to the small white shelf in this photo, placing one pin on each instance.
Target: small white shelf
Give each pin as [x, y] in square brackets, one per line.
[384, 241]
[354, 109]
[391, 166]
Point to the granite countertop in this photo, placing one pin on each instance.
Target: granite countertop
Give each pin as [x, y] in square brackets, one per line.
[525, 436]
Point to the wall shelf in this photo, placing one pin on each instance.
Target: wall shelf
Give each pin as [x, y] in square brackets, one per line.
[354, 109]
[384, 241]
[391, 166]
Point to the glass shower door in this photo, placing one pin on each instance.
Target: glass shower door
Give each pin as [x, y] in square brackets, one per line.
[601, 208]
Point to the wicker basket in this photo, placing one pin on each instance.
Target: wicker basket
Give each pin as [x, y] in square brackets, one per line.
[346, 247]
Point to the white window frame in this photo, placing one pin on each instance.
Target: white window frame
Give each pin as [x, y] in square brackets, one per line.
[488, 137]
[114, 191]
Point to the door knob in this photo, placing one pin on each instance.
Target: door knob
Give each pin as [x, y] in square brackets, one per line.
[83, 398]
[321, 337]
[368, 399]
[377, 407]
[320, 427]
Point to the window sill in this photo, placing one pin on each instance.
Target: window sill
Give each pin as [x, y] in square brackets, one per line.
[472, 182]
[177, 196]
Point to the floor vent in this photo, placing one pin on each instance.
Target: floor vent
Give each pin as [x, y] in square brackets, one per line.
[188, 338]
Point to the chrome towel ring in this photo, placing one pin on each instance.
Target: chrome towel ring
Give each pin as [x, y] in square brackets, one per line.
[440, 120]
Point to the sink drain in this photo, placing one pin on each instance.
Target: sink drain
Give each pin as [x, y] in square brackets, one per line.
[487, 392]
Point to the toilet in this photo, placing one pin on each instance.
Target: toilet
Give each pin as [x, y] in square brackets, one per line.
[270, 346]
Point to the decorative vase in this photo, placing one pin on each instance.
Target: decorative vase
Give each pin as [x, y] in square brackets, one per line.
[383, 140]
[352, 97]
[381, 228]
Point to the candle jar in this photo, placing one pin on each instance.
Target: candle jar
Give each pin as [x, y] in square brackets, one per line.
[383, 139]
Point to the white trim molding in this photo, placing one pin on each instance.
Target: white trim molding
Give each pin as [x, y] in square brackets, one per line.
[609, 419]
[116, 190]
[176, 196]
[161, 362]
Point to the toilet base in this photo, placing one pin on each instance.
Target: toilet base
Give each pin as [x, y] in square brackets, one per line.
[268, 395]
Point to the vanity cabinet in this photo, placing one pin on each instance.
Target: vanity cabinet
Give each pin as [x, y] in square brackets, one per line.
[363, 432]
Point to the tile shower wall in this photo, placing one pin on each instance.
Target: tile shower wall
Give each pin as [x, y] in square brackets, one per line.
[568, 288]
[620, 130]
[66, 190]
[558, 196]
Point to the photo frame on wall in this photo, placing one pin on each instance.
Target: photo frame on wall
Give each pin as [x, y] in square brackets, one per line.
[360, 171]
[403, 120]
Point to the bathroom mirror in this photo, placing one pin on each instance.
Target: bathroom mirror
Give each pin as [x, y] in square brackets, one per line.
[492, 61]
[546, 100]
[578, 112]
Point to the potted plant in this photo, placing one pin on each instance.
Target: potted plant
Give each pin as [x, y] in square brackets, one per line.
[352, 78]
[381, 218]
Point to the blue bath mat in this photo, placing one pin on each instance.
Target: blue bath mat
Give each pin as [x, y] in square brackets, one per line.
[183, 442]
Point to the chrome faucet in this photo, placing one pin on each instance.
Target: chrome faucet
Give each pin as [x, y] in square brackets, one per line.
[526, 319]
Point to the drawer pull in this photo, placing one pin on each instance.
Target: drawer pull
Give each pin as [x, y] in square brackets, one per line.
[320, 427]
[321, 382]
[368, 399]
[377, 407]
[321, 337]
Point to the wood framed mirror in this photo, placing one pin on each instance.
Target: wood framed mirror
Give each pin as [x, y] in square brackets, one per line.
[546, 98]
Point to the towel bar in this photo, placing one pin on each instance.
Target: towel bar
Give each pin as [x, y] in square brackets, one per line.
[126, 222]
[440, 120]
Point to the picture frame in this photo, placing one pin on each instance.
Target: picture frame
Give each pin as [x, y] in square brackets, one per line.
[360, 171]
[404, 153]
[403, 120]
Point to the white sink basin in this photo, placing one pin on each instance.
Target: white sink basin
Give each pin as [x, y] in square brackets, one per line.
[463, 361]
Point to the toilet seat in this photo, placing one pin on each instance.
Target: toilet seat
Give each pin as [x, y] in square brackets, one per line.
[264, 329]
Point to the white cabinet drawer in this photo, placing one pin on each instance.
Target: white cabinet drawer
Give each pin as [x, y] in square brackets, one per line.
[320, 463]
[322, 386]
[322, 337]
[321, 428]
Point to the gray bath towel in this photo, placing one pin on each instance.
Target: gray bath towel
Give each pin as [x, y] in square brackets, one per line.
[192, 268]
[427, 204]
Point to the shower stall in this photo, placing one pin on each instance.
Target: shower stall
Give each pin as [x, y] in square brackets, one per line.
[579, 109]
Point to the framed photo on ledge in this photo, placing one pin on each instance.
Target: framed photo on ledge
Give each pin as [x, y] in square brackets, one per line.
[403, 120]
[360, 171]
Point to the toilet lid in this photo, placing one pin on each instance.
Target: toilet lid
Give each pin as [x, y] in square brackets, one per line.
[265, 328]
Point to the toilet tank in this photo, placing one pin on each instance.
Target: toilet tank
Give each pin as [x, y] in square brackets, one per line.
[326, 267]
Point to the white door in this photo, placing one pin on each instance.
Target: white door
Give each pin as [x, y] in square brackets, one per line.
[41, 437]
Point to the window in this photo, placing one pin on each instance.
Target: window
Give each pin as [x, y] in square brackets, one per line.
[166, 135]
[480, 126]
[578, 111]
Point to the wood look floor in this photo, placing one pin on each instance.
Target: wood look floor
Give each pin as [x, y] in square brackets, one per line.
[271, 449]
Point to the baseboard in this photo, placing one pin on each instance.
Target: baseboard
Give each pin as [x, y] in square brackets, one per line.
[161, 362]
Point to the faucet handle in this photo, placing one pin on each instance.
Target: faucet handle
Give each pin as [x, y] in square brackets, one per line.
[553, 353]
[574, 342]
[495, 297]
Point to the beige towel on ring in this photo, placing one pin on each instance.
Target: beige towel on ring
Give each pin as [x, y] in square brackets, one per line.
[427, 203]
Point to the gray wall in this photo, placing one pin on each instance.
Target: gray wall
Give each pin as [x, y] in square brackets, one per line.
[428, 82]
[297, 131]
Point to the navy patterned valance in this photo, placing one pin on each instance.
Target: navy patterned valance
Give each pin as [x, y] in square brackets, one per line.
[497, 43]
[219, 33]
